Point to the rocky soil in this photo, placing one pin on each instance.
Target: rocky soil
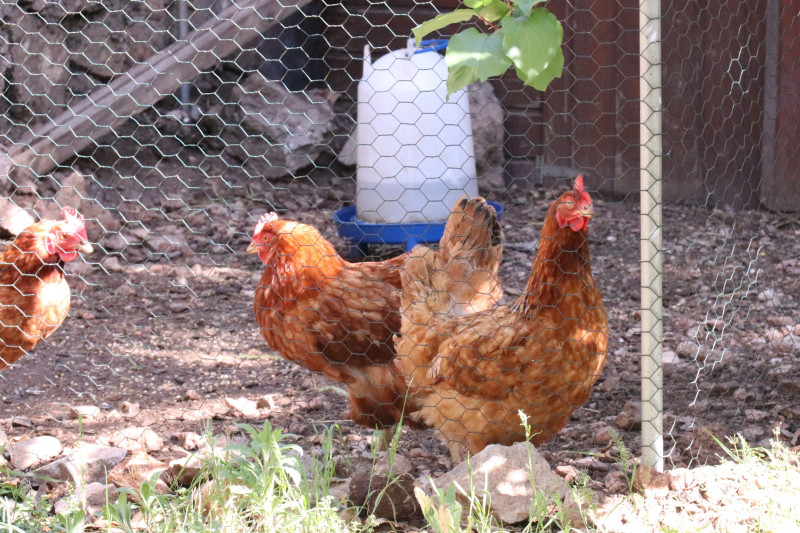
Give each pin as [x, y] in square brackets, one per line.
[161, 343]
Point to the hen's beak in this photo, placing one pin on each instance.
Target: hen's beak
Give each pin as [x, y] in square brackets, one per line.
[587, 211]
[253, 248]
[85, 247]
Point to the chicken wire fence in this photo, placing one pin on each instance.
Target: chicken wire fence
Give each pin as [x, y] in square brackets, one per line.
[172, 126]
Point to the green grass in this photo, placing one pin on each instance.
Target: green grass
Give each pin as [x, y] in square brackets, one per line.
[268, 485]
[264, 486]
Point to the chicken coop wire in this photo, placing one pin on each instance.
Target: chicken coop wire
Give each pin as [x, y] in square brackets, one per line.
[173, 127]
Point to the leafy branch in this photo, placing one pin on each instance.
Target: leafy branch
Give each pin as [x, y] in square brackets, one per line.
[522, 35]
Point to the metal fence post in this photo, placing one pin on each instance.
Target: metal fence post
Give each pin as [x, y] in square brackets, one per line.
[651, 237]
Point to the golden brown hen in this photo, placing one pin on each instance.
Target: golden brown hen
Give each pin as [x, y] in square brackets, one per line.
[470, 375]
[339, 318]
[34, 296]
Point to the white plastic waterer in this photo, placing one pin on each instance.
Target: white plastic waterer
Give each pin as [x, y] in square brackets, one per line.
[414, 150]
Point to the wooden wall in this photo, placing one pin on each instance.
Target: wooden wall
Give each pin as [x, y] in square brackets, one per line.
[723, 146]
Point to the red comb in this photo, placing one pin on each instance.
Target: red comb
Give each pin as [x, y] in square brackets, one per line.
[72, 216]
[579, 183]
[266, 218]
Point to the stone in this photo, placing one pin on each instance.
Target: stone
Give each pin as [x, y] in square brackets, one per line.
[83, 412]
[137, 438]
[83, 465]
[687, 349]
[93, 499]
[186, 469]
[248, 408]
[191, 441]
[120, 36]
[388, 497]
[162, 244]
[273, 132]
[129, 409]
[21, 422]
[591, 463]
[668, 357]
[488, 132]
[137, 469]
[568, 472]
[28, 453]
[397, 466]
[630, 418]
[603, 435]
[506, 473]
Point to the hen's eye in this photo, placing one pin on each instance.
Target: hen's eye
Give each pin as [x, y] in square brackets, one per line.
[64, 237]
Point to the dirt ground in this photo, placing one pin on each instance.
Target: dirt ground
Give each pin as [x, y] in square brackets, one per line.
[163, 335]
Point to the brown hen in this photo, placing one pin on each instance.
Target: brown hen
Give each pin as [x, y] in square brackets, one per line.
[339, 318]
[34, 296]
[470, 375]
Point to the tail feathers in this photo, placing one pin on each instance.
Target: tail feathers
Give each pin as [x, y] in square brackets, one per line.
[473, 232]
[471, 250]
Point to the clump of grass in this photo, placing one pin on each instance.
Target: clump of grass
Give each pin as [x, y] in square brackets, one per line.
[266, 485]
[770, 482]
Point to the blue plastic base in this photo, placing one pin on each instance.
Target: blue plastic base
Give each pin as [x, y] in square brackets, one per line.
[363, 234]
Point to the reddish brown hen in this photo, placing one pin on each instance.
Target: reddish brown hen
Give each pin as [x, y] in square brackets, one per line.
[470, 375]
[339, 318]
[34, 296]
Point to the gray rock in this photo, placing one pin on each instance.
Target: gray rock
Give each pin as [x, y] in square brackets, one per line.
[21, 422]
[248, 408]
[630, 417]
[129, 409]
[137, 438]
[272, 131]
[396, 466]
[186, 470]
[83, 465]
[84, 411]
[44, 94]
[32, 452]
[93, 499]
[687, 348]
[117, 39]
[113, 242]
[387, 497]
[668, 357]
[505, 472]
[487, 116]
[137, 469]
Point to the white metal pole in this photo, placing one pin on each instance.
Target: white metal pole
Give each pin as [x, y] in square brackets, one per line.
[183, 31]
[651, 237]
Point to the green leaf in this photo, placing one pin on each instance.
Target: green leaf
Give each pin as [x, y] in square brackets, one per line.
[533, 44]
[442, 21]
[494, 10]
[552, 71]
[477, 4]
[472, 56]
[523, 7]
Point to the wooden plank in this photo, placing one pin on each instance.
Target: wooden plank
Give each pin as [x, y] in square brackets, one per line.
[142, 86]
[780, 180]
[683, 100]
[592, 113]
[732, 89]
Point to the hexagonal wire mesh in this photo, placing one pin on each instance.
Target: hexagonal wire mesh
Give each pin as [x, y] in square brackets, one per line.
[173, 126]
